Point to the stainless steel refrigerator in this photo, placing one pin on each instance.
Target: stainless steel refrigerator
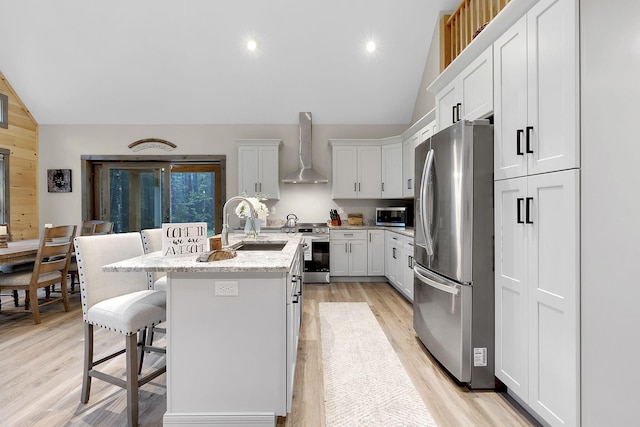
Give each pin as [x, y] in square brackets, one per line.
[453, 308]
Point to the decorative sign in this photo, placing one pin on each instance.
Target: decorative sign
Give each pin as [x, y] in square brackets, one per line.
[188, 238]
[145, 144]
[59, 180]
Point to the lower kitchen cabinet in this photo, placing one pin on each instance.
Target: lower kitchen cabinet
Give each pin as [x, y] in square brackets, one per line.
[393, 250]
[375, 252]
[407, 267]
[537, 292]
[399, 262]
[348, 252]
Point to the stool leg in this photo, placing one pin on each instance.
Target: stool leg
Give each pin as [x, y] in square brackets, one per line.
[88, 362]
[15, 297]
[132, 379]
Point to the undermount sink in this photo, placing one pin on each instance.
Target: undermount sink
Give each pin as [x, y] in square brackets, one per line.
[258, 246]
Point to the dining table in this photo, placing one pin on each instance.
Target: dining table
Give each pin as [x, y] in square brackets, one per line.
[19, 251]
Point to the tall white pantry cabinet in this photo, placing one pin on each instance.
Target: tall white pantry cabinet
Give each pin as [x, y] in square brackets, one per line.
[537, 205]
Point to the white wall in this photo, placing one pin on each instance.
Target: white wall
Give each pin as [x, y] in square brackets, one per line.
[426, 101]
[610, 94]
[60, 147]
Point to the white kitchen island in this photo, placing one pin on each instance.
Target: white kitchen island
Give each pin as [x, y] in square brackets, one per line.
[232, 332]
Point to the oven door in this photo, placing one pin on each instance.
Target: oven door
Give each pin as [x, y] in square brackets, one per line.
[316, 259]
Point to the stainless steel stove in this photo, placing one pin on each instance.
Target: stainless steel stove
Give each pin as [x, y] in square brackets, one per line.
[316, 251]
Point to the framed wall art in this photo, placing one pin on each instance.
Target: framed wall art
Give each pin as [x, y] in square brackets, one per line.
[59, 180]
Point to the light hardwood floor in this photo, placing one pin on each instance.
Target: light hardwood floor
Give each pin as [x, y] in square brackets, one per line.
[41, 366]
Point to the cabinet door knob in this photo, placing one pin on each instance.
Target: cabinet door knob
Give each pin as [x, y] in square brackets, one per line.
[529, 130]
[519, 133]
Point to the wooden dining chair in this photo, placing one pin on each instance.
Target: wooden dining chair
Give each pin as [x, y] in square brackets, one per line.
[89, 228]
[120, 302]
[15, 268]
[50, 267]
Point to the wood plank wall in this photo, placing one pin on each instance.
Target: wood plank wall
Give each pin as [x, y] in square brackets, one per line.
[21, 138]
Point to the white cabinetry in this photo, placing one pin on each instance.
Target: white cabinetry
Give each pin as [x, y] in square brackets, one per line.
[375, 252]
[470, 95]
[408, 157]
[357, 171]
[348, 252]
[392, 170]
[536, 99]
[408, 166]
[407, 267]
[399, 262]
[393, 259]
[537, 292]
[258, 167]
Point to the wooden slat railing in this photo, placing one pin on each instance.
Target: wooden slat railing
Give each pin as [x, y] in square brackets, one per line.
[458, 29]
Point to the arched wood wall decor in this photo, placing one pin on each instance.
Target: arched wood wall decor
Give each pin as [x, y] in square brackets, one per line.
[145, 144]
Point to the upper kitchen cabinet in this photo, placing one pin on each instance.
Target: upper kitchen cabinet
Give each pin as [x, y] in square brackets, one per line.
[392, 169]
[470, 95]
[258, 167]
[358, 168]
[419, 132]
[535, 92]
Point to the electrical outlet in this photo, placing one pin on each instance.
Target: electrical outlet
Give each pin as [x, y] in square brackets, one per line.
[340, 210]
[226, 289]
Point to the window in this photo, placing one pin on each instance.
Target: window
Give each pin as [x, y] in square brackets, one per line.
[4, 111]
[4, 186]
[142, 192]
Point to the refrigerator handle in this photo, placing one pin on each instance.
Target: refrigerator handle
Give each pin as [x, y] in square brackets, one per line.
[449, 289]
[426, 172]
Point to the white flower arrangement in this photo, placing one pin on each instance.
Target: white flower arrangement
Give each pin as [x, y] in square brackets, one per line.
[243, 211]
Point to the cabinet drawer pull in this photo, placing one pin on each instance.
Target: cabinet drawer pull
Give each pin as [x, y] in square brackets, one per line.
[409, 184]
[528, 214]
[453, 114]
[529, 130]
[255, 187]
[459, 106]
[383, 186]
[346, 249]
[355, 186]
[519, 133]
[519, 201]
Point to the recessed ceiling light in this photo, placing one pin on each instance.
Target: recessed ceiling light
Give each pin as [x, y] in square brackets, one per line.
[252, 45]
[371, 46]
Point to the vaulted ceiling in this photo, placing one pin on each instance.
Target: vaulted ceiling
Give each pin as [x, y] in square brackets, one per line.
[187, 62]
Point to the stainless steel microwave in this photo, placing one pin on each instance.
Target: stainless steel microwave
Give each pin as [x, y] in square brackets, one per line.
[393, 217]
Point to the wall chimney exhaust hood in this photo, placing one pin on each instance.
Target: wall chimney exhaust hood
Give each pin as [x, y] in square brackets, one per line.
[305, 174]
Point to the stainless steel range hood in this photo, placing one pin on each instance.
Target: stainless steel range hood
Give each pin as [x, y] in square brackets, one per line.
[305, 174]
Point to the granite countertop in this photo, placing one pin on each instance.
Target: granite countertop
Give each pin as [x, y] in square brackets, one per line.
[245, 261]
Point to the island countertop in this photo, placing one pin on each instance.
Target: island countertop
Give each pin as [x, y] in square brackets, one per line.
[245, 261]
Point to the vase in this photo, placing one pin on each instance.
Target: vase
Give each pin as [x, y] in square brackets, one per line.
[252, 227]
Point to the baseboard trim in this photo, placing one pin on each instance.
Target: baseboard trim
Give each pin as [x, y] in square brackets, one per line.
[235, 419]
